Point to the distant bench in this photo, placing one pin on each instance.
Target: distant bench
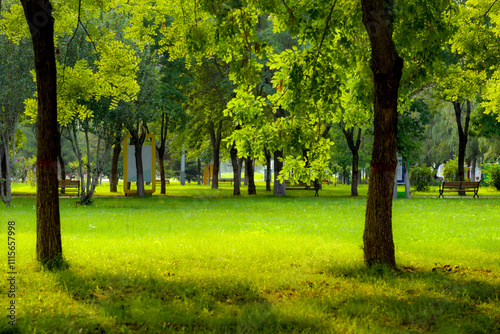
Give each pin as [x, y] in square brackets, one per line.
[301, 186]
[459, 186]
[166, 181]
[226, 180]
[69, 187]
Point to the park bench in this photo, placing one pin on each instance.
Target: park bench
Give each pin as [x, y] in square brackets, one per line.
[166, 181]
[69, 187]
[226, 180]
[302, 186]
[459, 186]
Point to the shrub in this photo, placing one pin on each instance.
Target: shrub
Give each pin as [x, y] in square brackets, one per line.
[450, 170]
[421, 177]
[494, 174]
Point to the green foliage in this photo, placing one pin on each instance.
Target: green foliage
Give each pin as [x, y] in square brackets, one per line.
[450, 170]
[493, 171]
[421, 177]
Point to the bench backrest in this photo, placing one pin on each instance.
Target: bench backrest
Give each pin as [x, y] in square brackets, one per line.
[69, 183]
[460, 184]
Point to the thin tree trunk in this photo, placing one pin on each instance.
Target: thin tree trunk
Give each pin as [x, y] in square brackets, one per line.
[236, 171]
[250, 173]
[387, 67]
[89, 165]
[354, 145]
[113, 182]
[407, 178]
[199, 172]
[463, 133]
[279, 185]
[215, 138]
[49, 246]
[61, 160]
[268, 168]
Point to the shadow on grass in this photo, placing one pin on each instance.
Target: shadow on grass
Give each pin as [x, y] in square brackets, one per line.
[340, 300]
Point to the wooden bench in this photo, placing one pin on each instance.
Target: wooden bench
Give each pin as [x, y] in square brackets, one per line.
[226, 180]
[167, 181]
[69, 187]
[302, 186]
[459, 186]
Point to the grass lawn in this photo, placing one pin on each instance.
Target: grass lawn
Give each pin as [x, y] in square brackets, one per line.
[199, 260]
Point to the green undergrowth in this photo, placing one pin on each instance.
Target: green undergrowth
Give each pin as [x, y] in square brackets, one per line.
[252, 265]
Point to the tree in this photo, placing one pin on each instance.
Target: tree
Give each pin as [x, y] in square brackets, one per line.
[387, 67]
[41, 23]
[411, 130]
[16, 85]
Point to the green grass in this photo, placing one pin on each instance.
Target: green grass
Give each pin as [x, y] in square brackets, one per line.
[262, 264]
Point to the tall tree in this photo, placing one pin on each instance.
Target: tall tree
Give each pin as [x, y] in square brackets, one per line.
[41, 23]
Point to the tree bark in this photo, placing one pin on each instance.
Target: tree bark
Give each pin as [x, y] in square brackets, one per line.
[387, 67]
[407, 178]
[138, 142]
[279, 187]
[236, 171]
[250, 173]
[61, 160]
[215, 138]
[354, 145]
[161, 150]
[268, 168]
[199, 172]
[113, 178]
[41, 22]
[463, 133]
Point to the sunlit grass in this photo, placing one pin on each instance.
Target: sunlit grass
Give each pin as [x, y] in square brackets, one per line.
[261, 264]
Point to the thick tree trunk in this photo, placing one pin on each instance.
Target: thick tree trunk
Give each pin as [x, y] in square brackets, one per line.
[250, 173]
[268, 168]
[48, 246]
[113, 178]
[236, 171]
[387, 67]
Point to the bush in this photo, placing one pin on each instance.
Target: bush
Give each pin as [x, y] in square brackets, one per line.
[450, 170]
[421, 177]
[494, 174]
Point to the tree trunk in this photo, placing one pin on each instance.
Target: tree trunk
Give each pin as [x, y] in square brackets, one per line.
[463, 133]
[354, 147]
[5, 192]
[161, 150]
[138, 142]
[387, 67]
[407, 178]
[113, 178]
[161, 162]
[215, 138]
[250, 173]
[279, 186]
[199, 172]
[61, 161]
[236, 171]
[268, 168]
[49, 246]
